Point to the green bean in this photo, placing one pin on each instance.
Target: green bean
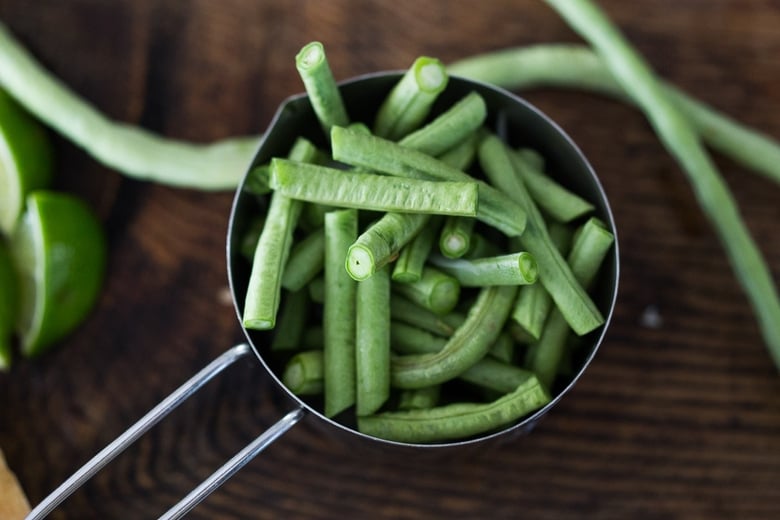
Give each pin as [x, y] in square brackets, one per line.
[353, 189]
[372, 352]
[418, 336]
[273, 248]
[292, 321]
[531, 157]
[409, 102]
[9, 303]
[510, 269]
[305, 261]
[470, 342]
[480, 246]
[679, 137]
[257, 180]
[455, 237]
[534, 303]
[339, 313]
[381, 242]
[408, 312]
[303, 373]
[578, 67]
[591, 244]
[134, 151]
[456, 421]
[435, 291]
[314, 69]
[251, 236]
[411, 259]
[554, 273]
[503, 349]
[409, 339]
[555, 200]
[317, 290]
[461, 156]
[449, 128]
[496, 375]
[419, 398]
[495, 208]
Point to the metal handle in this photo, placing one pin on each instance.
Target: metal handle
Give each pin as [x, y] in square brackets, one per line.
[154, 416]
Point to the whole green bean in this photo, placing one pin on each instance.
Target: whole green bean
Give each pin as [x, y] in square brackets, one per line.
[677, 135]
[456, 421]
[339, 313]
[578, 67]
[470, 342]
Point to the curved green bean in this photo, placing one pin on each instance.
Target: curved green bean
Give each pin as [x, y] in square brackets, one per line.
[470, 342]
[456, 420]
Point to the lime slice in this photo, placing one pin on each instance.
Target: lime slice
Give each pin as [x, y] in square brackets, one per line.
[25, 160]
[60, 255]
[8, 304]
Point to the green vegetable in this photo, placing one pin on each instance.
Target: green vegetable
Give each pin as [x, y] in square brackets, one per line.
[305, 261]
[455, 237]
[314, 69]
[410, 101]
[372, 352]
[419, 398]
[409, 265]
[510, 269]
[406, 311]
[456, 421]
[679, 137]
[495, 208]
[353, 189]
[339, 313]
[381, 242]
[303, 373]
[435, 291]
[470, 342]
[288, 331]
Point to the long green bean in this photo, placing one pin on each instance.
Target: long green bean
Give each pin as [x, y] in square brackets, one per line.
[314, 69]
[578, 67]
[495, 208]
[293, 316]
[339, 313]
[470, 342]
[353, 189]
[406, 311]
[409, 265]
[510, 269]
[305, 261]
[456, 420]
[372, 350]
[679, 137]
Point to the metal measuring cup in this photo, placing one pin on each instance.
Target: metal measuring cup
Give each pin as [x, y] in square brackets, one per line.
[519, 122]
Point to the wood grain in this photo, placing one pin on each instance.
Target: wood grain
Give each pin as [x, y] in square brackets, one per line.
[678, 421]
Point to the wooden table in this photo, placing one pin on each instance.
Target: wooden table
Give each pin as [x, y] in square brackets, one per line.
[681, 420]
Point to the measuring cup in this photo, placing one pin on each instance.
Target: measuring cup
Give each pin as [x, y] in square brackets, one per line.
[519, 122]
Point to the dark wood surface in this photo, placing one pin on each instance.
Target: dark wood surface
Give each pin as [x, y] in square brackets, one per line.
[679, 421]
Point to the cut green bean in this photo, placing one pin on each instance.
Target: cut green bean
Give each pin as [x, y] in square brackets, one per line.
[455, 237]
[292, 321]
[534, 303]
[470, 342]
[495, 208]
[409, 339]
[409, 265]
[679, 137]
[449, 128]
[555, 200]
[303, 373]
[531, 157]
[406, 311]
[554, 273]
[410, 101]
[251, 236]
[503, 349]
[339, 313]
[314, 69]
[480, 246]
[497, 375]
[462, 155]
[317, 289]
[510, 269]
[305, 261]
[257, 180]
[435, 291]
[381, 242]
[353, 189]
[372, 350]
[590, 247]
[420, 398]
[456, 421]
[273, 248]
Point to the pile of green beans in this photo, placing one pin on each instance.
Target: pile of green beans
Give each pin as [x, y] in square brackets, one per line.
[397, 304]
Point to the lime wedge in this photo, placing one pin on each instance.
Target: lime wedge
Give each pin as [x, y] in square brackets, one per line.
[25, 160]
[8, 304]
[60, 254]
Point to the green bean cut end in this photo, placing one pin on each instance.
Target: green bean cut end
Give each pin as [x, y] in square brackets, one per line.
[310, 56]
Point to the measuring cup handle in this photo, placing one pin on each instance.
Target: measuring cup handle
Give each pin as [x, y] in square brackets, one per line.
[154, 416]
